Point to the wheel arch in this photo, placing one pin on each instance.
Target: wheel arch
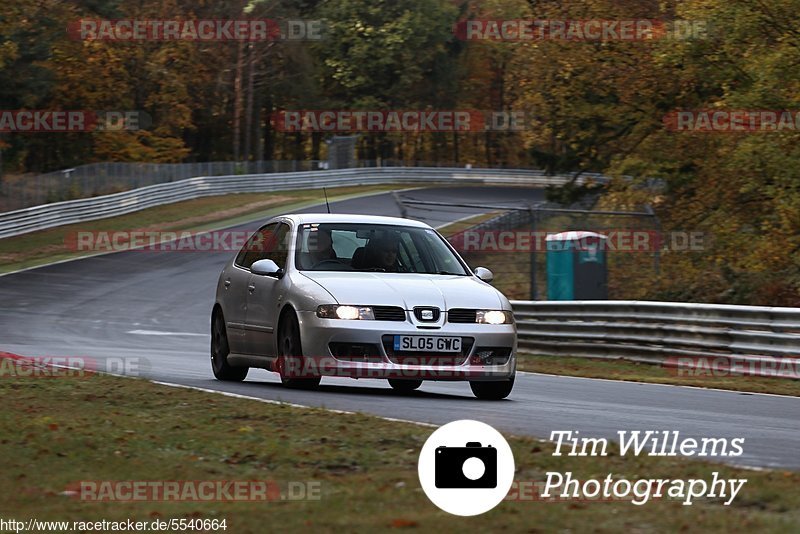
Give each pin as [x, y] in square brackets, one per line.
[217, 310]
[285, 311]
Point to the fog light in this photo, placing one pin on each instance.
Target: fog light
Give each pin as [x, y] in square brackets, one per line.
[490, 356]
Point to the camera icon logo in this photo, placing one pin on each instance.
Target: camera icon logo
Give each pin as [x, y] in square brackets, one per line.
[464, 476]
[472, 466]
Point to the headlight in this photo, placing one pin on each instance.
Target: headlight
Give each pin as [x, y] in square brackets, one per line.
[336, 311]
[494, 317]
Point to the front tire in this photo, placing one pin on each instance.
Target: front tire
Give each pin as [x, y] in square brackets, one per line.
[219, 353]
[404, 386]
[492, 390]
[290, 355]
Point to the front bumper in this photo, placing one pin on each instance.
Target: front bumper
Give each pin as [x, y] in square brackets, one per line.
[317, 335]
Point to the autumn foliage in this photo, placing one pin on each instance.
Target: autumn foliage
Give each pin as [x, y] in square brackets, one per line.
[589, 105]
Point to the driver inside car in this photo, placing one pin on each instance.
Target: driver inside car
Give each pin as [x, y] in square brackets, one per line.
[320, 248]
[382, 254]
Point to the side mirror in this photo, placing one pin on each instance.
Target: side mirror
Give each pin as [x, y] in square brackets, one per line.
[266, 268]
[484, 274]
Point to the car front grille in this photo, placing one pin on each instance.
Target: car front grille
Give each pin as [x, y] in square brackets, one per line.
[461, 315]
[389, 313]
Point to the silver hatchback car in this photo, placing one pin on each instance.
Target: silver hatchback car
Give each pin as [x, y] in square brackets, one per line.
[362, 297]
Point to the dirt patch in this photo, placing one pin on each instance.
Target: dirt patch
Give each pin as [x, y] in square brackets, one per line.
[48, 250]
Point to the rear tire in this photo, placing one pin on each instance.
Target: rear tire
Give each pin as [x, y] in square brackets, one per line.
[405, 386]
[492, 390]
[290, 355]
[219, 353]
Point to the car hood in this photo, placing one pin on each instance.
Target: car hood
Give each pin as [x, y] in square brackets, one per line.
[408, 290]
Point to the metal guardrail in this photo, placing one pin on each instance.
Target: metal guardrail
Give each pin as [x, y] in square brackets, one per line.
[105, 178]
[45, 216]
[94, 179]
[756, 340]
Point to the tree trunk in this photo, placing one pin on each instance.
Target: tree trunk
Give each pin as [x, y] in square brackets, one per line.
[257, 105]
[269, 134]
[316, 141]
[237, 102]
[248, 114]
[298, 152]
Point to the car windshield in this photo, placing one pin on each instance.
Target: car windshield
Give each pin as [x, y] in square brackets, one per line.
[374, 248]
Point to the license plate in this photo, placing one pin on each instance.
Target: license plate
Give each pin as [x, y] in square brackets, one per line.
[427, 343]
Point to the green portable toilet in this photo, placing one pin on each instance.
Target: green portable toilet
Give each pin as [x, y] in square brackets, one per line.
[576, 266]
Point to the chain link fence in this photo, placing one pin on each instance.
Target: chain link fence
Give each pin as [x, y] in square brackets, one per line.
[521, 269]
[512, 244]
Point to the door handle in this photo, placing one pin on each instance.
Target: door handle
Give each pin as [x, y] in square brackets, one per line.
[251, 287]
[227, 283]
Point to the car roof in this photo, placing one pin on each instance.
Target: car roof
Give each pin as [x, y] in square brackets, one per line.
[310, 218]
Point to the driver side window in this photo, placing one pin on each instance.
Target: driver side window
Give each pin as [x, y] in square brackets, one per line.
[257, 247]
[278, 249]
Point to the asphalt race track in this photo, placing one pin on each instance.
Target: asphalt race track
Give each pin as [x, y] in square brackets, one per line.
[153, 308]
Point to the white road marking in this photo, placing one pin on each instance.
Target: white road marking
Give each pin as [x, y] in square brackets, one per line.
[291, 404]
[160, 333]
[620, 381]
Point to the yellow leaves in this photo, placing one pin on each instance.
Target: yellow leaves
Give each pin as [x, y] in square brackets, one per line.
[142, 145]
[8, 53]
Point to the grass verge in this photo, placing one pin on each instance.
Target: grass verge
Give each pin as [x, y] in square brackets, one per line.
[619, 369]
[45, 246]
[62, 430]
